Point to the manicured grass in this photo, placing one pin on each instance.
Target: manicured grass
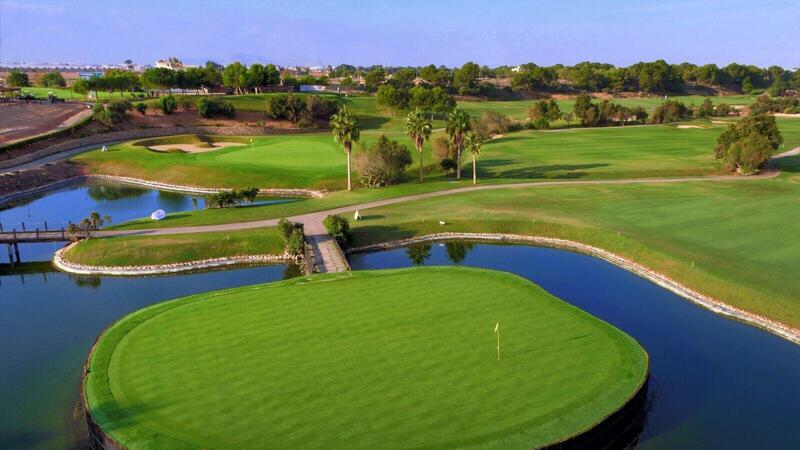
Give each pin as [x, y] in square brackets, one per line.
[316, 161]
[308, 161]
[735, 241]
[622, 152]
[379, 359]
[69, 95]
[177, 248]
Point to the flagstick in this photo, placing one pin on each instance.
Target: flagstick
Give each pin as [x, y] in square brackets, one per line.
[497, 331]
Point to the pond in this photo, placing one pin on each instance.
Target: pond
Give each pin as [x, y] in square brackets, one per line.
[121, 203]
[715, 382]
[48, 322]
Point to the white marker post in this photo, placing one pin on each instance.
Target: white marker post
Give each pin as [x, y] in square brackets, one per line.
[497, 332]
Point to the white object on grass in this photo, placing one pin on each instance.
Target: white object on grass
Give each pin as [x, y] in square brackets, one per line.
[158, 214]
[357, 216]
[442, 223]
[104, 149]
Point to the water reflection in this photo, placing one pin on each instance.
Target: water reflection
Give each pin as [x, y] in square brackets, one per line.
[419, 253]
[457, 251]
[107, 193]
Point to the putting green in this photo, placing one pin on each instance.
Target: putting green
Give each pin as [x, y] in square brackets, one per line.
[379, 359]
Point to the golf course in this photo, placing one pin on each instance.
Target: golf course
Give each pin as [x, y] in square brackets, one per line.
[397, 359]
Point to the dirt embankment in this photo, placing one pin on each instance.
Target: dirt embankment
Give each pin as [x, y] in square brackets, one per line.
[26, 180]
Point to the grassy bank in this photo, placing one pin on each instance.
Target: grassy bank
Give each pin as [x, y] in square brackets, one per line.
[733, 241]
[363, 360]
[171, 249]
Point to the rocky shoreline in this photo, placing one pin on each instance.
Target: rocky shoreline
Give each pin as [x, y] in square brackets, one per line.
[714, 305]
[60, 262]
[80, 177]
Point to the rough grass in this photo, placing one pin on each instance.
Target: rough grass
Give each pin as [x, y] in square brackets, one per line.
[178, 248]
[383, 359]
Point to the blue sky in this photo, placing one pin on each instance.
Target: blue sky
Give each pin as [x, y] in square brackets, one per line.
[409, 32]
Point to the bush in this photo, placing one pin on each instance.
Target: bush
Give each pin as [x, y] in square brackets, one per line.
[221, 199]
[292, 235]
[210, 107]
[748, 144]
[339, 228]
[141, 107]
[167, 104]
[296, 242]
[491, 123]
[443, 149]
[286, 107]
[540, 123]
[448, 165]
[670, 111]
[383, 163]
[321, 107]
[117, 110]
[548, 109]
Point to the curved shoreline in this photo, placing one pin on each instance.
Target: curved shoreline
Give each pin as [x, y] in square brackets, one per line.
[272, 192]
[621, 425]
[61, 263]
[712, 304]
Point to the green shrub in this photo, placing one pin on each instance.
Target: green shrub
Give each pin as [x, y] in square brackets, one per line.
[167, 104]
[296, 243]
[292, 235]
[383, 163]
[748, 144]
[210, 107]
[339, 228]
[141, 107]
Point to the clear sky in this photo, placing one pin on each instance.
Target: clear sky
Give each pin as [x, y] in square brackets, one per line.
[407, 32]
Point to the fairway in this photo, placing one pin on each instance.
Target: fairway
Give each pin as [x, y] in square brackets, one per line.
[621, 152]
[384, 359]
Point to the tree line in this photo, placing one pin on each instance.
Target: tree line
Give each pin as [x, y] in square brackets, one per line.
[654, 77]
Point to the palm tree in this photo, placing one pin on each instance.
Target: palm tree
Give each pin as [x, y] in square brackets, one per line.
[418, 129]
[344, 127]
[473, 145]
[457, 125]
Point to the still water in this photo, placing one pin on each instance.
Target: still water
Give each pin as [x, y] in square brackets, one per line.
[715, 383]
[121, 203]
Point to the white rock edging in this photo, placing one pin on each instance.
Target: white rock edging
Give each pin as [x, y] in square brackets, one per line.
[61, 263]
[777, 328]
[275, 192]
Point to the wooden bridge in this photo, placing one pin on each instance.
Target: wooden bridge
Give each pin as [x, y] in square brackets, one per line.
[13, 238]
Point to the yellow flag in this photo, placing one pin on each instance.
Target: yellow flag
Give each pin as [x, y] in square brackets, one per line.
[497, 327]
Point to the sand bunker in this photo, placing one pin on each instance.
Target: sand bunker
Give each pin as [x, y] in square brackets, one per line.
[689, 126]
[193, 148]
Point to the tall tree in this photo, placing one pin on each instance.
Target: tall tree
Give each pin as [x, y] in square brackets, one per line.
[344, 126]
[472, 144]
[458, 124]
[418, 129]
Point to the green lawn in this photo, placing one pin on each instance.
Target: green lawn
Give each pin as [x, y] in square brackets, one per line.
[67, 94]
[316, 161]
[177, 248]
[735, 241]
[379, 359]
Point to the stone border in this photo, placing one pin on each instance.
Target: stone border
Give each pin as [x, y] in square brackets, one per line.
[714, 305]
[61, 263]
[273, 192]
